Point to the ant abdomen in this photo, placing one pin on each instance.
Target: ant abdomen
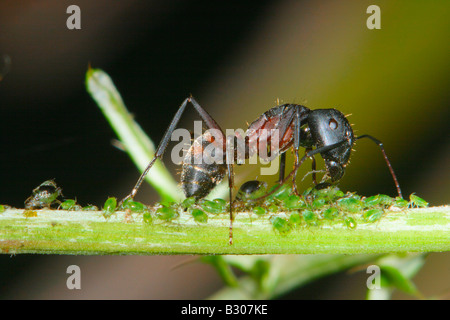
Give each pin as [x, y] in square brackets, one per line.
[204, 166]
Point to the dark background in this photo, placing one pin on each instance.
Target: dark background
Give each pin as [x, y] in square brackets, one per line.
[236, 58]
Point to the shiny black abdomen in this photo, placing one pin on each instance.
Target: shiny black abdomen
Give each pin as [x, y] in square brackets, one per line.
[202, 171]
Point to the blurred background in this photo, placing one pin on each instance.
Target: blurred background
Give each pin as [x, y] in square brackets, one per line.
[237, 58]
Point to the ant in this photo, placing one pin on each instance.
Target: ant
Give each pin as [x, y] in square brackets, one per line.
[321, 131]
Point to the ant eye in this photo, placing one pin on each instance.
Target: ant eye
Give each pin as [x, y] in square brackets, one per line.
[333, 124]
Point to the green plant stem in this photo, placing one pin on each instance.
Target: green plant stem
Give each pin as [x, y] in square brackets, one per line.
[88, 233]
[140, 148]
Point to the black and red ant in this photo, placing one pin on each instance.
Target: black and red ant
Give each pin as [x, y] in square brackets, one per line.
[324, 131]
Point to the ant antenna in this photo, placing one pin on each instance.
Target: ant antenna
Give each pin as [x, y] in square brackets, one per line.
[380, 144]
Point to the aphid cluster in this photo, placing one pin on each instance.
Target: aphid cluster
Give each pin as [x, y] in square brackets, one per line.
[49, 195]
[283, 208]
[288, 210]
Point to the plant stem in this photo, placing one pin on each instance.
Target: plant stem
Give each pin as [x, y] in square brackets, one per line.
[89, 233]
[140, 148]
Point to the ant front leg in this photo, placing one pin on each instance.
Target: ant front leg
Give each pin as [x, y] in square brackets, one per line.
[310, 154]
[293, 173]
[313, 166]
[296, 165]
[282, 167]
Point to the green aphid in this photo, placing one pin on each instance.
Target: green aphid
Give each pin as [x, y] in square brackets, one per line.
[401, 203]
[90, 207]
[70, 204]
[259, 211]
[166, 203]
[373, 215]
[318, 203]
[332, 193]
[353, 195]
[337, 193]
[199, 216]
[331, 213]
[281, 193]
[309, 192]
[350, 222]
[251, 190]
[310, 218]
[350, 204]
[109, 207]
[166, 213]
[2, 208]
[188, 202]
[385, 200]
[77, 207]
[294, 202]
[222, 203]
[273, 208]
[134, 206]
[372, 201]
[147, 218]
[416, 201]
[43, 196]
[212, 206]
[138, 207]
[280, 224]
[379, 199]
[295, 218]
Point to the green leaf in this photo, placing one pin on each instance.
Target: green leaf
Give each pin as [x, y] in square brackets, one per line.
[392, 277]
[223, 268]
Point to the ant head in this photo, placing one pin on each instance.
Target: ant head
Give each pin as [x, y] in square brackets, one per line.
[327, 127]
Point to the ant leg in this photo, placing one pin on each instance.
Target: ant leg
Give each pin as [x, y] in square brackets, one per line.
[313, 166]
[282, 167]
[285, 120]
[230, 160]
[293, 173]
[230, 185]
[230, 149]
[380, 144]
[299, 116]
[297, 164]
[310, 154]
[166, 138]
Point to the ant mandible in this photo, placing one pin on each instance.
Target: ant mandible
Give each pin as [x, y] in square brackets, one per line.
[324, 131]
